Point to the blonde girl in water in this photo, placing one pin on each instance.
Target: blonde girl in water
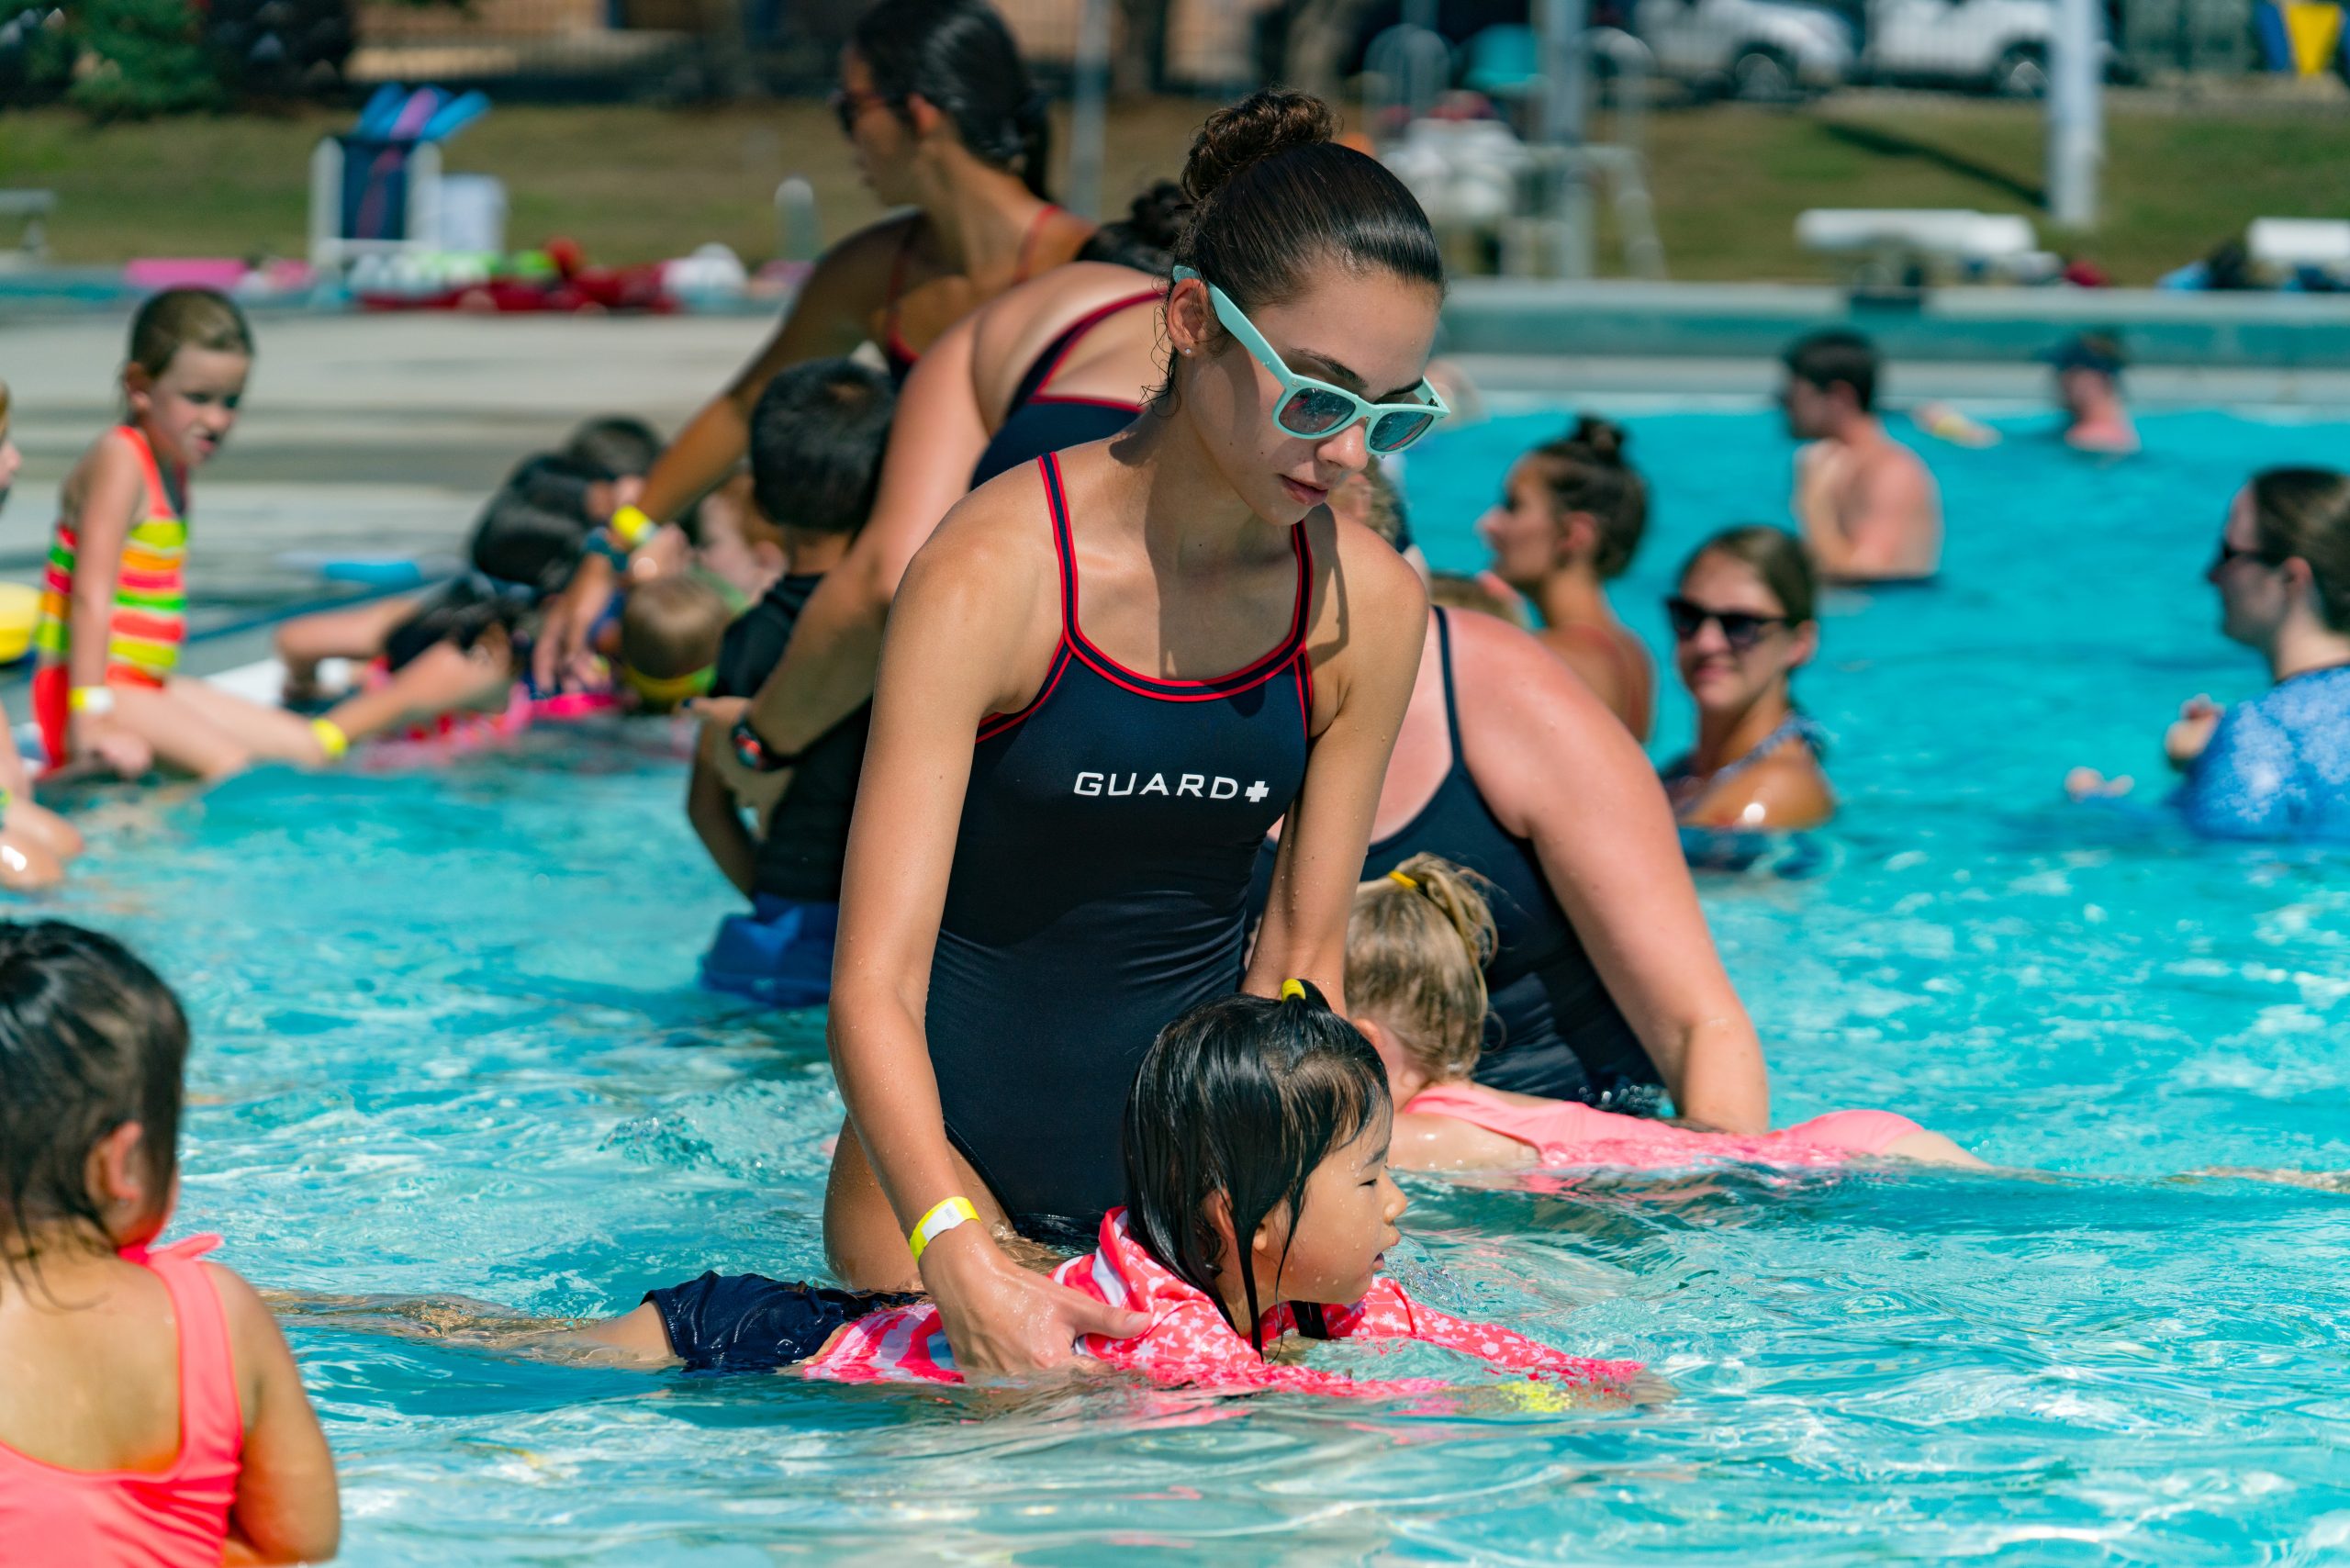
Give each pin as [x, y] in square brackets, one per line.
[1418, 943]
[107, 694]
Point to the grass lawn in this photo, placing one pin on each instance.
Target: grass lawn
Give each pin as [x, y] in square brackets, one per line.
[635, 184]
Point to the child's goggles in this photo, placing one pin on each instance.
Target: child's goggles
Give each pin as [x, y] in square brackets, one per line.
[1316, 411]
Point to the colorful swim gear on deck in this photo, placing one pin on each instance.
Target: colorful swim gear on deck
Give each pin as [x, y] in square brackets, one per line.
[148, 623]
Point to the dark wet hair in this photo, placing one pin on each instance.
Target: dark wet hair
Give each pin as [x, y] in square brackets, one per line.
[959, 56]
[90, 1039]
[1145, 238]
[614, 447]
[1826, 358]
[2304, 514]
[817, 435]
[1242, 1096]
[469, 609]
[1776, 556]
[1585, 472]
[1273, 196]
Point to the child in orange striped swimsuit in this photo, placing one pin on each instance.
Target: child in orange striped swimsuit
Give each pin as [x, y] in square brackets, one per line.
[114, 603]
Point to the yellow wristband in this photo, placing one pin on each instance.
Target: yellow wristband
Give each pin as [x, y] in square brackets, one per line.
[630, 525]
[943, 1217]
[91, 700]
[331, 740]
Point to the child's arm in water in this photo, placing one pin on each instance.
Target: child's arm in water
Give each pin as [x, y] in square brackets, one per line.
[286, 1509]
[717, 821]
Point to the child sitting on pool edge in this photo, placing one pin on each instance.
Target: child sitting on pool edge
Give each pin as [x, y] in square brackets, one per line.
[152, 1412]
[114, 603]
[1259, 1206]
[1418, 943]
[817, 436]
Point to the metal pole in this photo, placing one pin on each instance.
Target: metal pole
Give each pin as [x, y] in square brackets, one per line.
[1566, 110]
[1089, 124]
[2075, 116]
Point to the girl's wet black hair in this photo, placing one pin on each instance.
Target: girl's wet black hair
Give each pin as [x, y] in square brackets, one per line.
[90, 1039]
[958, 55]
[1274, 198]
[1242, 1096]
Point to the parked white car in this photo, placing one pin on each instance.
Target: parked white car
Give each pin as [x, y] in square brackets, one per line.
[1776, 49]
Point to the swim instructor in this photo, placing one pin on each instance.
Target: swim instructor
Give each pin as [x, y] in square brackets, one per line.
[1103, 680]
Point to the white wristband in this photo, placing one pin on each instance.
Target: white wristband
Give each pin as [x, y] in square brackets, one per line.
[91, 700]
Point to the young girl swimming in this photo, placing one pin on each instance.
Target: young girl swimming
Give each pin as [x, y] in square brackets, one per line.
[114, 603]
[1417, 948]
[1258, 1207]
[150, 1412]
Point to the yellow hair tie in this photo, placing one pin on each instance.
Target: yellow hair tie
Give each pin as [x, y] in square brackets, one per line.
[1402, 880]
[1293, 991]
[670, 690]
[331, 740]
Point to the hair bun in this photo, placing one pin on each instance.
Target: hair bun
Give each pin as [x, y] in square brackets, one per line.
[1250, 131]
[1158, 215]
[1606, 438]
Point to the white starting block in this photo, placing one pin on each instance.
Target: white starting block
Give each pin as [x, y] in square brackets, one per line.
[1998, 243]
[2291, 243]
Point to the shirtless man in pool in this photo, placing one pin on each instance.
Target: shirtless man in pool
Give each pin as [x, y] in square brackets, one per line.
[1867, 507]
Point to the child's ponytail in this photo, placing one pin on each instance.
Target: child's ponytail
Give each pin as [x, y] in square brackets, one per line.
[1417, 944]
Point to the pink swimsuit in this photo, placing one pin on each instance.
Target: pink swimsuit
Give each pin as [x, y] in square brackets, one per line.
[1563, 1132]
[174, 1518]
[1188, 1342]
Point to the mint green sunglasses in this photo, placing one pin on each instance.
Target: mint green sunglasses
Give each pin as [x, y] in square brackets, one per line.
[1316, 411]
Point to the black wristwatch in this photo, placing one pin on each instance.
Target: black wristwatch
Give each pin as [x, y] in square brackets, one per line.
[756, 753]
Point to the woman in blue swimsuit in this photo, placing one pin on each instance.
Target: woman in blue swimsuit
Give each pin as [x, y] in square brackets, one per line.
[1104, 678]
[2278, 766]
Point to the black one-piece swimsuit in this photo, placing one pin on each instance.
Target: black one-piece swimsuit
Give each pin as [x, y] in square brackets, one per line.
[1100, 888]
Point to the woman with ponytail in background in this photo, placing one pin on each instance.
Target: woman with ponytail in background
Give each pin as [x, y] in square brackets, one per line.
[1570, 520]
[943, 119]
[1104, 678]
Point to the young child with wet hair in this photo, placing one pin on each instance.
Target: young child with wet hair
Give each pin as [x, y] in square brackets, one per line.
[1258, 1210]
[524, 546]
[150, 1412]
[1418, 943]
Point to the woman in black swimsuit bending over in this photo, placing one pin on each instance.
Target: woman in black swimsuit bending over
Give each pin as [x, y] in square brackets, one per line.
[1103, 680]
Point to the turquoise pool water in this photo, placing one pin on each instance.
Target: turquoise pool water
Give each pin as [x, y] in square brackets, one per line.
[448, 1044]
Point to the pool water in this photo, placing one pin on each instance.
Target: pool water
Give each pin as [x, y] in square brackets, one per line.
[448, 1043]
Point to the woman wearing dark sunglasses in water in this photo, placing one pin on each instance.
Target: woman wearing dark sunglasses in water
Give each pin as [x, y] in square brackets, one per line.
[1741, 627]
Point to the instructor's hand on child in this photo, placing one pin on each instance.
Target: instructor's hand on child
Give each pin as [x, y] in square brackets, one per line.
[1002, 1320]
